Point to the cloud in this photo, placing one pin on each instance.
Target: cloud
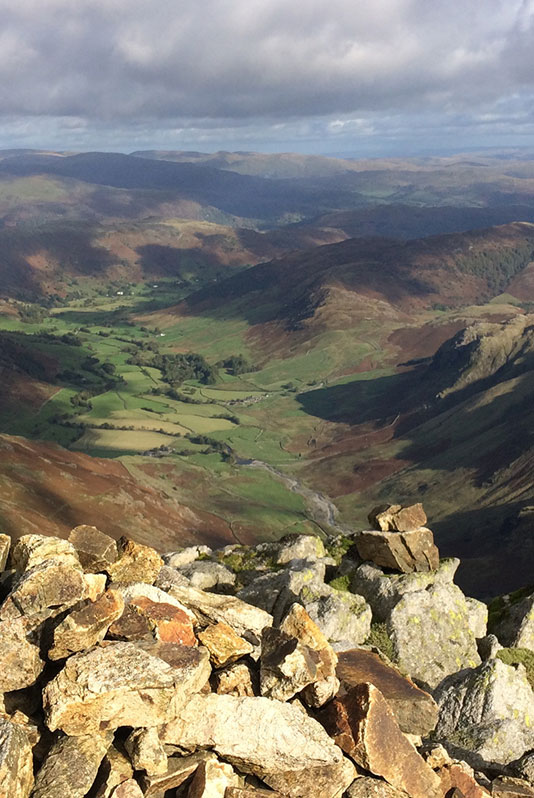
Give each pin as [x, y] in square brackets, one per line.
[208, 65]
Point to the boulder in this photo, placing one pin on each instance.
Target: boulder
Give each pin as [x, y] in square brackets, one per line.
[399, 551]
[71, 766]
[330, 781]
[516, 626]
[415, 710]
[20, 661]
[164, 621]
[257, 735]
[119, 684]
[431, 634]
[299, 547]
[396, 518]
[96, 551]
[224, 645]
[86, 626]
[368, 787]
[276, 591]
[287, 667]
[206, 575]
[343, 617]
[459, 776]
[146, 752]
[523, 768]
[211, 780]
[32, 550]
[45, 590]
[246, 792]
[363, 725]
[16, 764]
[176, 559]
[136, 563]
[486, 713]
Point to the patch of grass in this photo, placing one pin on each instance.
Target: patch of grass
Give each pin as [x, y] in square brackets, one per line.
[341, 583]
[379, 637]
[516, 656]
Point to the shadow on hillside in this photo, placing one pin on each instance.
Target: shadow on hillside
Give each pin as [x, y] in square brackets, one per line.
[166, 261]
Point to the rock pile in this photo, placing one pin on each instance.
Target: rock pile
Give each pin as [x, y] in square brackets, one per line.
[291, 669]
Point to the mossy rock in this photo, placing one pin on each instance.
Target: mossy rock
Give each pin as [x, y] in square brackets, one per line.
[516, 656]
[498, 606]
[380, 639]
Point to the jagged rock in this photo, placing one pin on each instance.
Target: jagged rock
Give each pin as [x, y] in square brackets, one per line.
[95, 585]
[211, 780]
[127, 789]
[487, 711]
[95, 549]
[477, 616]
[287, 667]
[343, 617]
[276, 591]
[363, 725]
[400, 551]
[299, 547]
[383, 592]
[177, 559]
[246, 620]
[146, 752]
[156, 594]
[396, 518]
[236, 680]
[44, 590]
[368, 787]
[71, 766]
[516, 627]
[5, 546]
[257, 735]
[170, 577]
[224, 645]
[32, 550]
[415, 710]
[16, 764]
[488, 647]
[114, 769]
[164, 621]
[20, 662]
[119, 684]
[179, 770]
[431, 633]
[205, 575]
[86, 626]
[321, 782]
[523, 768]
[506, 787]
[459, 776]
[136, 563]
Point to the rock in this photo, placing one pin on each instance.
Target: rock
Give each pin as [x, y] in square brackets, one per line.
[179, 770]
[155, 594]
[299, 547]
[478, 616]
[367, 787]
[516, 627]
[276, 591]
[16, 764]
[396, 518]
[44, 590]
[224, 645]
[383, 592]
[431, 634]
[329, 781]
[236, 680]
[70, 767]
[343, 617]
[127, 789]
[506, 787]
[146, 752]
[487, 711]
[136, 563]
[211, 780]
[86, 626]
[96, 551]
[164, 621]
[488, 647]
[20, 662]
[205, 575]
[176, 559]
[95, 585]
[415, 710]
[399, 551]
[287, 667]
[257, 735]
[5, 545]
[32, 550]
[114, 769]
[119, 684]
[169, 577]
[523, 768]
[246, 620]
[364, 726]
[459, 776]
[244, 792]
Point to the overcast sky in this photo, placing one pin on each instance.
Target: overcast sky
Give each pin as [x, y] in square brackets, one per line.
[326, 76]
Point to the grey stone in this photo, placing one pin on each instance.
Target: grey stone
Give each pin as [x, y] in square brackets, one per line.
[516, 628]
[400, 551]
[300, 547]
[276, 591]
[177, 559]
[205, 575]
[343, 617]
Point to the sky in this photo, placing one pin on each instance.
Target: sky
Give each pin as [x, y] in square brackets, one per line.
[351, 77]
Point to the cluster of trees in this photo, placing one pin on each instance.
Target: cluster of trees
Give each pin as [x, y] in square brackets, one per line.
[175, 369]
[498, 266]
[237, 364]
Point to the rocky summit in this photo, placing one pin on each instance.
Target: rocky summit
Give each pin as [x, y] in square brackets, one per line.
[352, 667]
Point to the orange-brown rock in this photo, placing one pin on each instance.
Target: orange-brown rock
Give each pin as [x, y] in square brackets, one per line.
[86, 626]
[459, 776]
[143, 617]
[396, 518]
[415, 710]
[96, 551]
[364, 726]
[136, 563]
[399, 551]
[225, 645]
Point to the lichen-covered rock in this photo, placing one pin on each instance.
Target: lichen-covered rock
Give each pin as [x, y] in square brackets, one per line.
[343, 617]
[487, 711]
[136, 563]
[206, 575]
[330, 781]
[95, 549]
[20, 661]
[401, 551]
[177, 559]
[164, 621]
[431, 633]
[276, 591]
[119, 684]
[211, 780]
[523, 768]
[86, 626]
[516, 626]
[478, 616]
[16, 764]
[32, 550]
[299, 547]
[257, 735]
[415, 710]
[396, 518]
[70, 767]
[44, 590]
[146, 752]
[225, 645]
